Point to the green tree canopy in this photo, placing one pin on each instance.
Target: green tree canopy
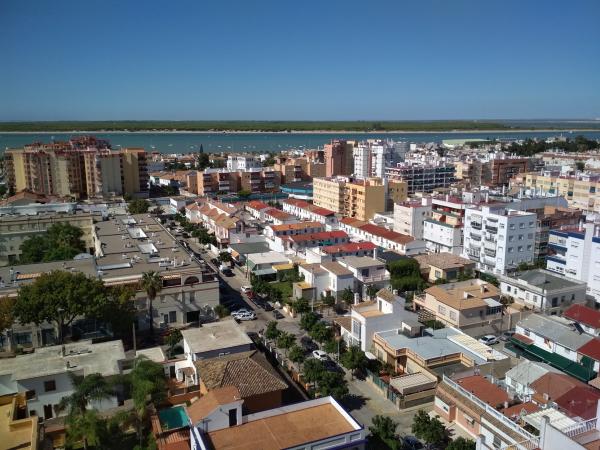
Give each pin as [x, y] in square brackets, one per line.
[428, 429]
[332, 383]
[138, 206]
[221, 311]
[460, 443]
[309, 320]
[244, 193]
[354, 359]
[383, 433]
[272, 332]
[60, 297]
[61, 241]
[152, 284]
[347, 296]
[296, 354]
[320, 332]
[312, 370]
[285, 340]
[7, 312]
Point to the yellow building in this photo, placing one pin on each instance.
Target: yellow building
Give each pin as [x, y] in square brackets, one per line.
[360, 199]
[397, 192]
[581, 191]
[135, 171]
[17, 428]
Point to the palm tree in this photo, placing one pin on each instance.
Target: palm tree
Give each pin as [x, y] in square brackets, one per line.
[148, 386]
[152, 284]
[94, 387]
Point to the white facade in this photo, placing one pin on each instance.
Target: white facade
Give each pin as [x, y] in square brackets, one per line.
[306, 211]
[576, 255]
[372, 157]
[442, 238]
[499, 239]
[242, 162]
[409, 217]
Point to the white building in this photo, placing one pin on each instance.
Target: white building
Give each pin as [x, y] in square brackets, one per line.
[409, 217]
[326, 277]
[367, 272]
[499, 239]
[242, 162]
[443, 229]
[575, 253]
[307, 211]
[542, 290]
[45, 374]
[518, 379]
[386, 312]
[372, 157]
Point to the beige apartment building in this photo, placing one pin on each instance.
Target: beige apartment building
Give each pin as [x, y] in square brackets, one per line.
[397, 192]
[582, 191]
[360, 199]
[465, 304]
[80, 168]
[14, 230]
[224, 181]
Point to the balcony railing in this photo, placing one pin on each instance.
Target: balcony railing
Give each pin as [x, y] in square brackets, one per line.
[475, 237]
[476, 225]
[373, 278]
[491, 229]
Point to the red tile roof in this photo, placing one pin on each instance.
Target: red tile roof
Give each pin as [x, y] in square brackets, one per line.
[309, 207]
[278, 214]
[484, 390]
[350, 247]
[297, 226]
[584, 314]
[554, 385]
[257, 205]
[581, 401]
[523, 338]
[296, 202]
[515, 410]
[387, 234]
[321, 236]
[591, 349]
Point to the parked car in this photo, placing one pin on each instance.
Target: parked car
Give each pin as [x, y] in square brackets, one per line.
[411, 443]
[320, 355]
[267, 306]
[331, 366]
[247, 316]
[241, 311]
[307, 344]
[507, 335]
[246, 289]
[488, 339]
[277, 315]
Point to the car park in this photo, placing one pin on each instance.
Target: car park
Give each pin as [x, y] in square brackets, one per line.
[488, 339]
[320, 355]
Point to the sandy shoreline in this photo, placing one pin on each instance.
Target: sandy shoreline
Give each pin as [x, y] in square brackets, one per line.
[316, 132]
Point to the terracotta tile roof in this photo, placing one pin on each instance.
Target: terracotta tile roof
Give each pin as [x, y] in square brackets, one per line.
[350, 247]
[552, 385]
[523, 338]
[443, 261]
[335, 268]
[591, 349]
[278, 214]
[584, 314]
[320, 236]
[298, 203]
[386, 294]
[484, 390]
[351, 221]
[297, 226]
[387, 234]
[515, 410]
[206, 404]
[257, 205]
[581, 401]
[453, 294]
[250, 372]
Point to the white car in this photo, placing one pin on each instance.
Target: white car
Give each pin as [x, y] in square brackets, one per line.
[488, 339]
[246, 289]
[320, 355]
[240, 312]
[246, 316]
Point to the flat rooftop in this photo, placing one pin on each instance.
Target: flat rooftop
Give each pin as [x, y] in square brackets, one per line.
[215, 336]
[544, 279]
[103, 358]
[285, 430]
[359, 262]
[465, 294]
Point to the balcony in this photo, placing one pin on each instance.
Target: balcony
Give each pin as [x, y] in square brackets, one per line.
[491, 229]
[489, 252]
[374, 278]
[476, 225]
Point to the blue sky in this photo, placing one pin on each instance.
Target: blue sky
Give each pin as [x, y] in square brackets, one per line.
[285, 60]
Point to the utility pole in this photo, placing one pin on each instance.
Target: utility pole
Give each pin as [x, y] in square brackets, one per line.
[134, 343]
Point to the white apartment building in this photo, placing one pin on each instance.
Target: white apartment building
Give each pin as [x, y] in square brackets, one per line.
[442, 230]
[409, 217]
[242, 162]
[575, 253]
[499, 239]
[372, 157]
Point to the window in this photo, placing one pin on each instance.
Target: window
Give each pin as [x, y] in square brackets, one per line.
[30, 394]
[453, 315]
[520, 248]
[511, 238]
[22, 338]
[442, 310]
[521, 225]
[520, 237]
[510, 249]
[529, 247]
[508, 288]
[49, 385]
[172, 316]
[512, 226]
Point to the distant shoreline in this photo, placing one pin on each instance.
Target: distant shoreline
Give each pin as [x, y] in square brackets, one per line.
[316, 132]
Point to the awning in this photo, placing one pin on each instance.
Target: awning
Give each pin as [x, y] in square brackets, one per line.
[370, 355]
[279, 267]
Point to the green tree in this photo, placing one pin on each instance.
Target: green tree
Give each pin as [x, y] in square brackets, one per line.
[60, 297]
[151, 283]
[301, 306]
[320, 332]
[173, 339]
[372, 291]
[332, 383]
[244, 193]
[383, 433]
[354, 359]
[580, 166]
[328, 300]
[333, 345]
[225, 257]
[221, 311]
[119, 309]
[138, 206]
[285, 340]
[202, 162]
[347, 296]
[431, 430]
[88, 429]
[7, 312]
[312, 370]
[272, 332]
[148, 386]
[84, 425]
[296, 354]
[460, 443]
[61, 241]
[309, 320]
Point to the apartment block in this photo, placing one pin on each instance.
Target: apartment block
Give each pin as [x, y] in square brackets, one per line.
[361, 199]
[443, 229]
[135, 172]
[382, 237]
[242, 162]
[298, 169]
[498, 239]
[372, 157]
[307, 211]
[397, 193]
[575, 253]
[422, 177]
[410, 216]
[339, 158]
